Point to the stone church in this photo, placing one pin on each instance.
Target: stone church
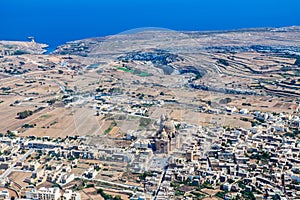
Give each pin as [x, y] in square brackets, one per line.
[166, 139]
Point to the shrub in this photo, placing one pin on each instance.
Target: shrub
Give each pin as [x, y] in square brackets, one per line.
[24, 114]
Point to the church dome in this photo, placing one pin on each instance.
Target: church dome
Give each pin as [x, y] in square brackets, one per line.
[169, 126]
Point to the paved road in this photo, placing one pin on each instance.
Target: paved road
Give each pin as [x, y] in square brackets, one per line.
[111, 183]
[160, 181]
[9, 170]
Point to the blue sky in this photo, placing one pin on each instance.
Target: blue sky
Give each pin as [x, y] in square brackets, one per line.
[57, 21]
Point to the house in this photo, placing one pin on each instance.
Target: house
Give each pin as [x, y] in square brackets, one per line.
[227, 187]
[138, 196]
[4, 165]
[91, 173]
[4, 194]
[67, 178]
[70, 195]
[44, 194]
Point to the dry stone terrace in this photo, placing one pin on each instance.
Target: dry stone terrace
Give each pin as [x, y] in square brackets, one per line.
[153, 115]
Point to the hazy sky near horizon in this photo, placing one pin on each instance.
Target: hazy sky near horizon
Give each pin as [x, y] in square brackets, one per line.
[58, 21]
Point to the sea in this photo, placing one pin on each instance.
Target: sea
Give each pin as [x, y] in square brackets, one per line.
[55, 22]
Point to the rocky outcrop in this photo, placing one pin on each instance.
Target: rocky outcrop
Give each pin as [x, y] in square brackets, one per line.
[9, 48]
[159, 58]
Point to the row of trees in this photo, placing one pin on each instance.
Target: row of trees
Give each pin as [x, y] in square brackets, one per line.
[24, 114]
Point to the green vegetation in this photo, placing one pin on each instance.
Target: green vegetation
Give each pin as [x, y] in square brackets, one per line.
[51, 101]
[179, 193]
[134, 71]
[230, 181]
[24, 114]
[144, 74]
[205, 185]
[71, 158]
[124, 69]
[144, 175]
[10, 134]
[141, 96]
[198, 195]
[225, 101]
[175, 185]
[248, 195]
[20, 52]
[244, 119]
[23, 152]
[107, 196]
[144, 122]
[90, 185]
[115, 90]
[112, 125]
[241, 184]
[56, 185]
[221, 194]
[97, 168]
[177, 126]
[45, 116]
[257, 121]
[238, 197]
[28, 125]
[107, 131]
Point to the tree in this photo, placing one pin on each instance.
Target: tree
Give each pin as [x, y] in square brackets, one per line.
[24, 114]
[117, 197]
[225, 101]
[51, 101]
[209, 103]
[10, 134]
[104, 195]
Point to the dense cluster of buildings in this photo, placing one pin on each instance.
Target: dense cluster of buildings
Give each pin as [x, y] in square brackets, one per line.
[262, 162]
[177, 160]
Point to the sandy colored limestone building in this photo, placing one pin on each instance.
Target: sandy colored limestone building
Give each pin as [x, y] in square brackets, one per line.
[52, 194]
[166, 139]
[44, 194]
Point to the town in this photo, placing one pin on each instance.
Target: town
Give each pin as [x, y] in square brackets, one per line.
[151, 120]
[177, 160]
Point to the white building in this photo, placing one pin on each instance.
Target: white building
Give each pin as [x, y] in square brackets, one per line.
[70, 195]
[4, 194]
[67, 178]
[44, 194]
